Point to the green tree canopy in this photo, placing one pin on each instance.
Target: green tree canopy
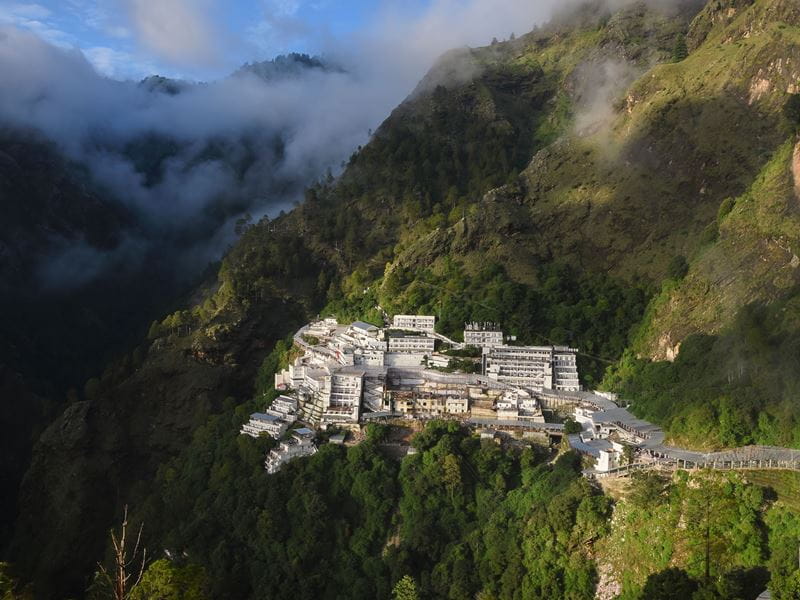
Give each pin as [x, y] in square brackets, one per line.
[164, 581]
[406, 589]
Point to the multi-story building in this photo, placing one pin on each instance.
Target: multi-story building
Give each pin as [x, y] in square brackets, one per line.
[416, 344]
[284, 407]
[414, 322]
[275, 420]
[341, 396]
[533, 367]
[430, 404]
[372, 358]
[265, 424]
[565, 369]
[482, 335]
[301, 443]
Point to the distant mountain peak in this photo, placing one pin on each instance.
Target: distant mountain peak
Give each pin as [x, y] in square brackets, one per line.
[165, 85]
[286, 66]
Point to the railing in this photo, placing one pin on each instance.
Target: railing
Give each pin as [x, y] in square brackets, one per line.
[752, 464]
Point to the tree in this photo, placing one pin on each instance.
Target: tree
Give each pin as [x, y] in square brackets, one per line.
[120, 580]
[628, 454]
[679, 50]
[10, 587]
[678, 268]
[792, 109]
[405, 589]
[452, 474]
[164, 581]
[571, 426]
[670, 584]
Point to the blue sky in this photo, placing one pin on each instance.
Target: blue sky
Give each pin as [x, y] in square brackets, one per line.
[197, 39]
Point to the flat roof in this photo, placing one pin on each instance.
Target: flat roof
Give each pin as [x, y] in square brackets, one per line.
[349, 370]
[363, 325]
[264, 417]
[400, 333]
[522, 423]
[304, 431]
[593, 447]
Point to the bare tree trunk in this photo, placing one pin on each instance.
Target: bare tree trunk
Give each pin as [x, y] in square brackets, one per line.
[127, 572]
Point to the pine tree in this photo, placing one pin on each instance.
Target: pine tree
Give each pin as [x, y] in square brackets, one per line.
[679, 50]
[406, 589]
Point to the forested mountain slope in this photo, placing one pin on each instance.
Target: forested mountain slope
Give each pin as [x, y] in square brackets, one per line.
[551, 183]
[84, 267]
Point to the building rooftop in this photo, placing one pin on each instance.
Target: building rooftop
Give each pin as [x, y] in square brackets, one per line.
[263, 417]
[363, 326]
[350, 370]
[592, 447]
[557, 427]
[483, 326]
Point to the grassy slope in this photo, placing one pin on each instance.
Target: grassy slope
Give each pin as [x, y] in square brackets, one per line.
[732, 321]
[753, 258]
[622, 199]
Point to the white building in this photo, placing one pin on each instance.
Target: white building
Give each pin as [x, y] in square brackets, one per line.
[517, 404]
[323, 328]
[533, 367]
[301, 443]
[364, 329]
[608, 454]
[284, 407]
[416, 344]
[429, 404]
[372, 358]
[265, 424]
[439, 360]
[414, 322]
[482, 335]
[565, 369]
[341, 396]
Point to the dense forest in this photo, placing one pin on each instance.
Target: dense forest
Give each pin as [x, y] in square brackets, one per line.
[489, 199]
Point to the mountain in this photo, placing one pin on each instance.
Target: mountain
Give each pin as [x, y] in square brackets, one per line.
[86, 262]
[286, 66]
[621, 180]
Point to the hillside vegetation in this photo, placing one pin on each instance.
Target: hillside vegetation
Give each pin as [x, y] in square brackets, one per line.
[621, 182]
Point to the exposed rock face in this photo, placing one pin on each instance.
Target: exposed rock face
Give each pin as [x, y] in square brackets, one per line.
[796, 169]
[667, 348]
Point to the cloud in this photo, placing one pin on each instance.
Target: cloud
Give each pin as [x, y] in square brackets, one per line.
[240, 144]
[117, 64]
[36, 18]
[178, 31]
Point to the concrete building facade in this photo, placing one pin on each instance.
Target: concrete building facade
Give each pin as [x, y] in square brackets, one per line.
[341, 396]
[482, 335]
[533, 367]
[417, 344]
[424, 323]
[301, 443]
[264, 424]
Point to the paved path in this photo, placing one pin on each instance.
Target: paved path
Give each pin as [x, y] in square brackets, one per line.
[659, 455]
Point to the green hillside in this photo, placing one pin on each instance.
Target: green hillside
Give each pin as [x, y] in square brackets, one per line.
[617, 181]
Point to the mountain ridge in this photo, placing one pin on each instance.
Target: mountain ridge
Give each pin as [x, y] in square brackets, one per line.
[572, 216]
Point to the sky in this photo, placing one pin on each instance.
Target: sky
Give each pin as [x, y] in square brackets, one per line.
[196, 39]
[68, 71]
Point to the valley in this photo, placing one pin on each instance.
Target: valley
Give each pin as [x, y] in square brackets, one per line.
[594, 222]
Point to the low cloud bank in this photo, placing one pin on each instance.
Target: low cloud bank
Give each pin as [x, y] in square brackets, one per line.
[241, 144]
